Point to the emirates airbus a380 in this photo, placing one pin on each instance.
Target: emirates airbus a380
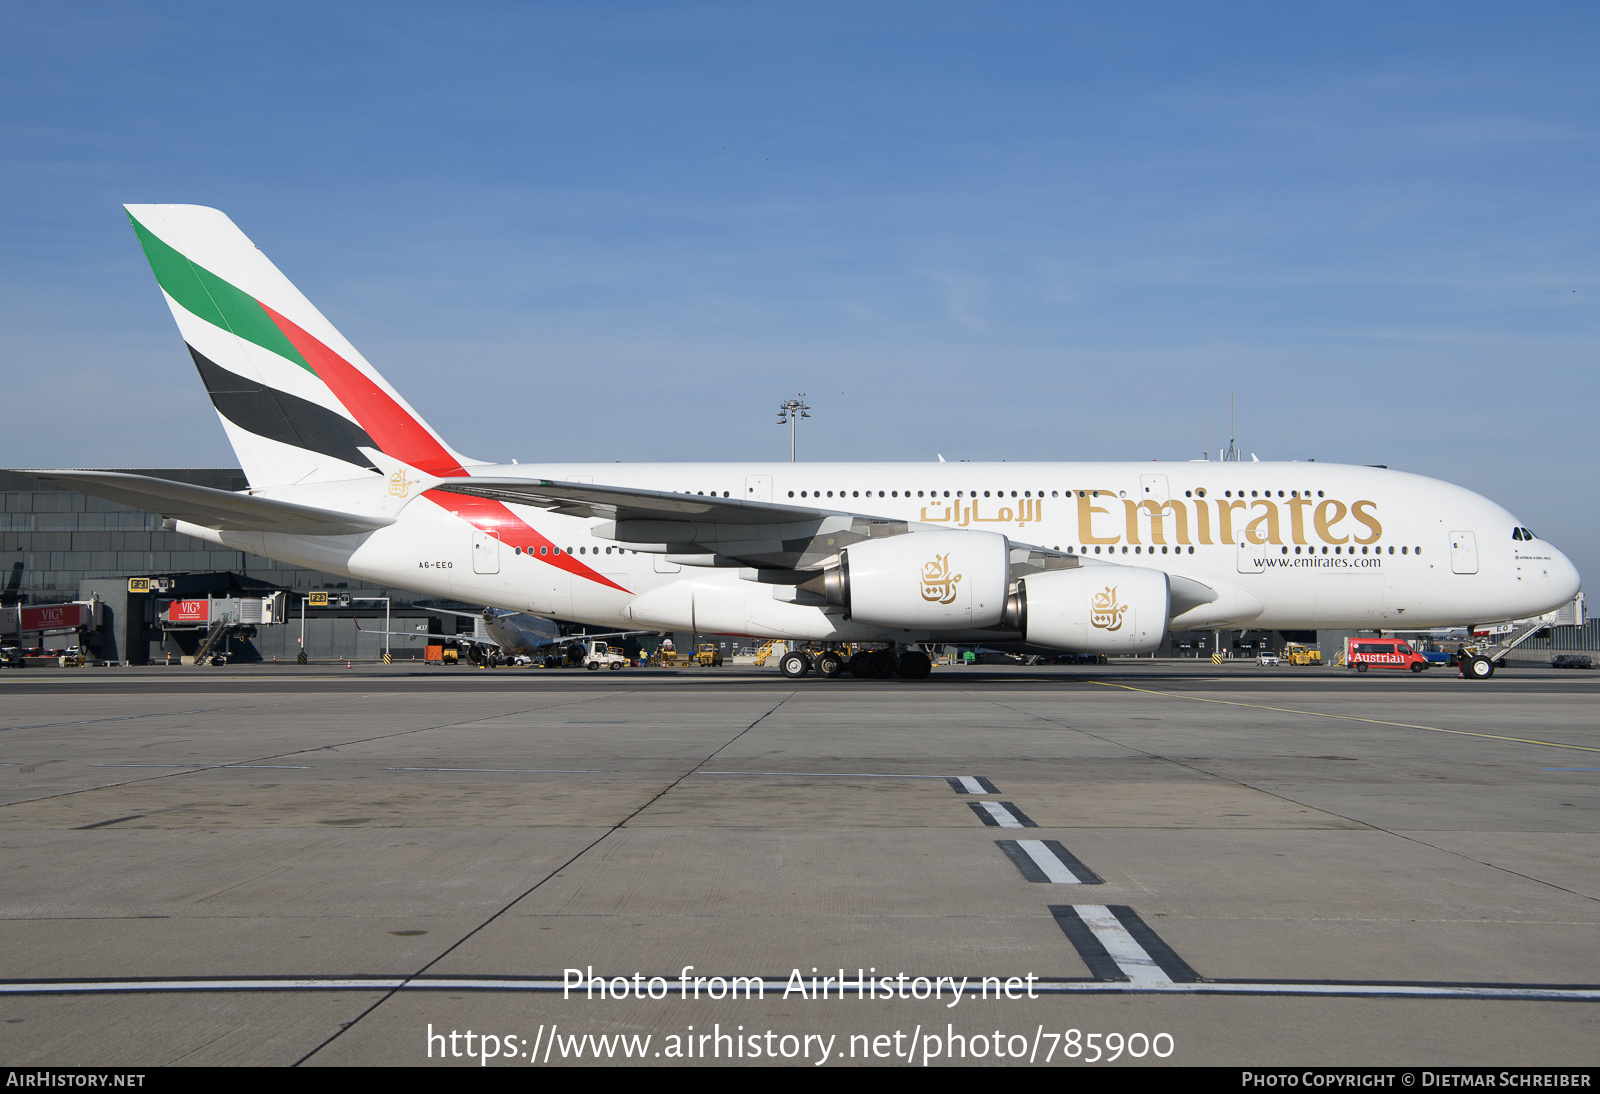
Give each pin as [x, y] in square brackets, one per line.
[1088, 557]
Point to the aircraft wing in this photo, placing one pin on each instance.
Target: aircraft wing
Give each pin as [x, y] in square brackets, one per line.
[222, 510]
[470, 639]
[759, 534]
[586, 499]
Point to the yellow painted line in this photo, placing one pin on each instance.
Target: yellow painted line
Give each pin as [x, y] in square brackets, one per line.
[1347, 717]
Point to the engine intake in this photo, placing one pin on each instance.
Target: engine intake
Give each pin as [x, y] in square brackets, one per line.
[923, 580]
[1092, 609]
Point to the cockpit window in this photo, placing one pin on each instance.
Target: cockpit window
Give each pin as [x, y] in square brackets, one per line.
[1527, 533]
[1516, 533]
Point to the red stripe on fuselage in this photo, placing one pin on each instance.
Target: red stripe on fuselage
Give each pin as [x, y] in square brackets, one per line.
[400, 435]
[513, 531]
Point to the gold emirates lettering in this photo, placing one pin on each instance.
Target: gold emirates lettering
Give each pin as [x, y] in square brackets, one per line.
[1235, 520]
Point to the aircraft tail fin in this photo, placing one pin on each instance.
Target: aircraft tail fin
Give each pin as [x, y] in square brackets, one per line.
[297, 400]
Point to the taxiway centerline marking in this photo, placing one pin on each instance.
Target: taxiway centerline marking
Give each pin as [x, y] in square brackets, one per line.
[1047, 861]
[1346, 717]
[1137, 965]
[1001, 815]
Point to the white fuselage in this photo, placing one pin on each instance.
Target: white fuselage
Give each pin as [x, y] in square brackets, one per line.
[1284, 545]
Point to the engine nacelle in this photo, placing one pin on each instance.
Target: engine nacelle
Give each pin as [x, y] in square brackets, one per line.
[1093, 609]
[924, 580]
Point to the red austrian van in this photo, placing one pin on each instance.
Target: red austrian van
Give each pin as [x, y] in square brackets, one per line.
[1383, 653]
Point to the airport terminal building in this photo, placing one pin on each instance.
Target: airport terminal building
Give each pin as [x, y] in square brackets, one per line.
[60, 546]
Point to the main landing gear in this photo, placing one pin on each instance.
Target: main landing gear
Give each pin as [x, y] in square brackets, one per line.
[881, 664]
[1476, 668]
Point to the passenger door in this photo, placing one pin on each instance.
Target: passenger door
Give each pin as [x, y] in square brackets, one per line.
[1463, 552]
[1251, 556]
[485, 552]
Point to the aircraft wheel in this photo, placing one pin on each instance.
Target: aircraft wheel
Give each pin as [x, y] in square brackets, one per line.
[1361, 667]
[914, 665]
[794, 665]
[880, 664]
[828, 664]
[858, 665]
[1479, 668]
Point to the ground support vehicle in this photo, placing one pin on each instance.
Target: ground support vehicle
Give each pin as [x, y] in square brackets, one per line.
[1271, 659]
[1572, 661]
[597, 654]
[708, 655]
[1384, 653]
[1297, 654]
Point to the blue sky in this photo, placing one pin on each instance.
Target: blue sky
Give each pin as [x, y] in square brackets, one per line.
[996, 231]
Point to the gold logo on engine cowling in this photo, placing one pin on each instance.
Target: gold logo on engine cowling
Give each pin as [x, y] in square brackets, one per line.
[398, 486]
[938, 583]
[1105, 612]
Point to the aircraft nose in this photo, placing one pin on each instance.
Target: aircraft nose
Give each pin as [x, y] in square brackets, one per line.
[1564, 576]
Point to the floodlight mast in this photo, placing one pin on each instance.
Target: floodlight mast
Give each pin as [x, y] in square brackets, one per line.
[791, 411]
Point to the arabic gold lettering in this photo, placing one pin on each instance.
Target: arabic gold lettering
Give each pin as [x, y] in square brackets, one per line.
[1105, 613]
[938, 584]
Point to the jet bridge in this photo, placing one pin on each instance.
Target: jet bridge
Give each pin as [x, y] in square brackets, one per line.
[208, 626]
[74, 624]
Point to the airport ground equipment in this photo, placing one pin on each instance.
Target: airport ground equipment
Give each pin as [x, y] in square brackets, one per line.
[1297, 653]
[76, 622]
[598, 654]
[213, 621]
[1362, 654]
[708, 655]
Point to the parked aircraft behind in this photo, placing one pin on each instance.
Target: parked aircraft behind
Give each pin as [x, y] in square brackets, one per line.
[345, 477]
[512, 635]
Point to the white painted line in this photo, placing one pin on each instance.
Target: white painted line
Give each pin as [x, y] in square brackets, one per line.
[216, 767]
[828, 775]
[510, 770]
[971, 785]
[1140, 967]
[1002, 817]
[776, 985]
[1052, 867]
[96, 987]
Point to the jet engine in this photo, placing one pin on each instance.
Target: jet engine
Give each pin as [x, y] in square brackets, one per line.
[1092, 609]
[923, 580]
